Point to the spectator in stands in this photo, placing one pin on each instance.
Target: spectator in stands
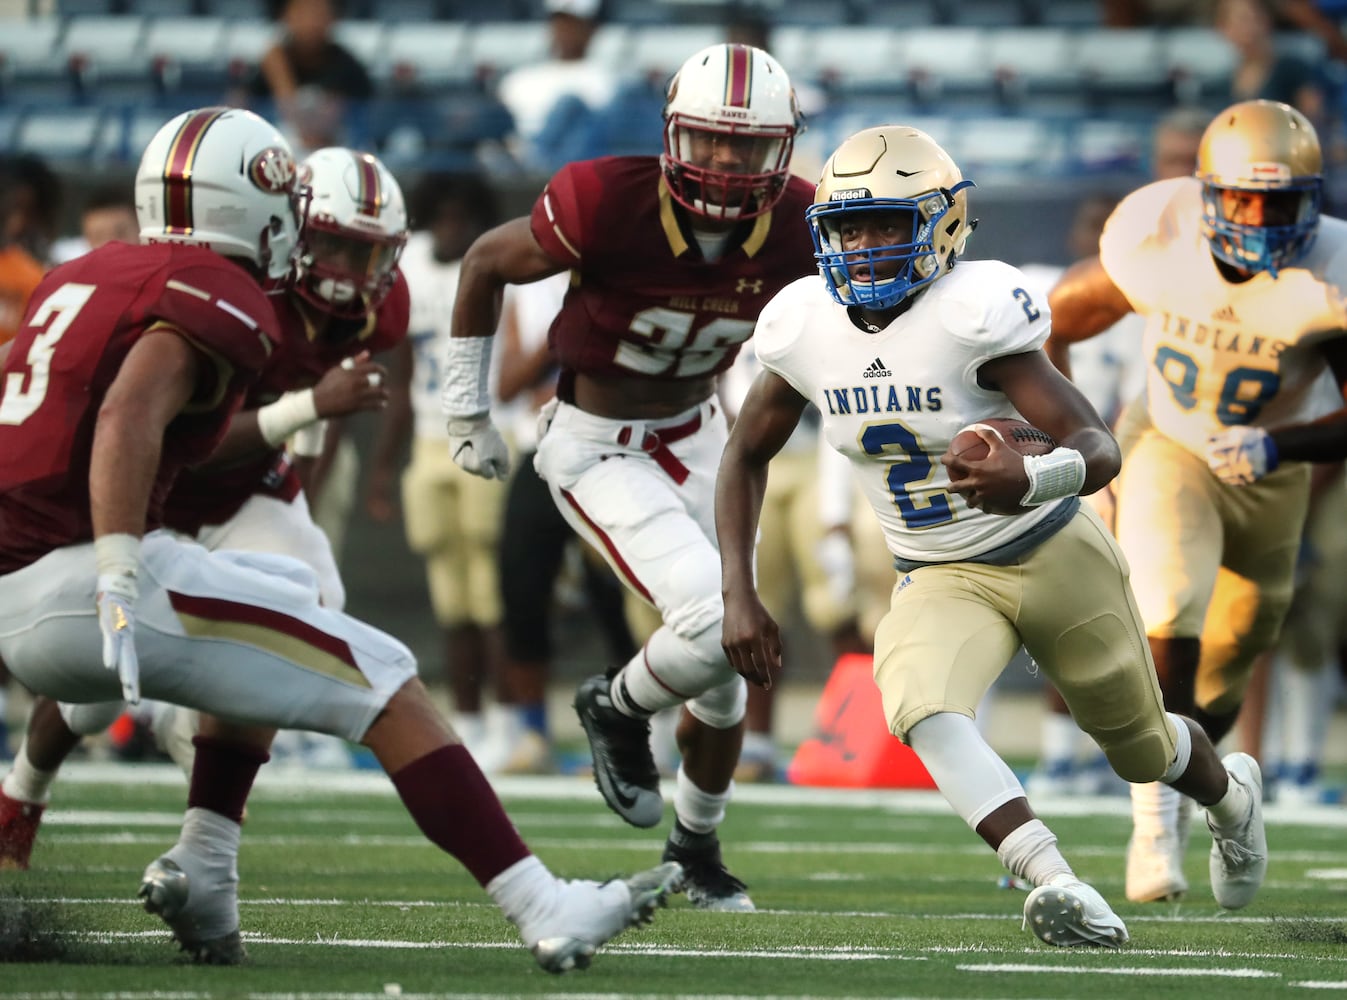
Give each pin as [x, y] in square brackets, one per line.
[1263, 71]
[1162, 13]
[30, 205]
[317, 85]
[557, 104]
[109, 214]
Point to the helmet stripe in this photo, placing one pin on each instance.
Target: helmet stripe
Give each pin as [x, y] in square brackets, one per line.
[369, 200]
[178, 170]
[738, 75]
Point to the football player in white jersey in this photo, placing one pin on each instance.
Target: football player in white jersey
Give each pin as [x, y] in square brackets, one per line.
[900, 349]
[1241, 282]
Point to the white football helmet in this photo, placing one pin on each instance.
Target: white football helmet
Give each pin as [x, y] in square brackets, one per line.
[903, 172]
[225, 179]
[730, 121]
[355, 229]
[1269, 150]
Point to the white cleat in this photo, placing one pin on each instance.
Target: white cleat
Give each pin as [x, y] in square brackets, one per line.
[1155, 867]
[584, 916]
[1238, 861]
[1072, 915]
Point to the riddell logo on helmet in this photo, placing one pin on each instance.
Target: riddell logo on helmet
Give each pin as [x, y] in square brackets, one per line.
[1270, 171]
[850, 194]
[273, 170]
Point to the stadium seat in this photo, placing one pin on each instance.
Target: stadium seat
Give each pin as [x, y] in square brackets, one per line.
[107, 56]
[241, 10]
[188, 54]
[1201, 62]
[495, 48]
[85, 8]
[993, 148]
[1123, 68]
[657, 52]
[1101, 145]
[948, 66]
[161, 8]
[849, 60]
[244, 44]
[1066, 13]
[61, 135]
[429, 56]
[9, 127]
[1034, 68]
[984, 13]
[611, 47]
[32, 68]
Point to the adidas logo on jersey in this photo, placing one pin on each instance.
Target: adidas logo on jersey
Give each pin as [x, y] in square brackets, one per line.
[876, 370]
[1225, 315]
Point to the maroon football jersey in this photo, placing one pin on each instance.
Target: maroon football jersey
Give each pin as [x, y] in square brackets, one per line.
[214, 495]
[81, 323]
[647, 303]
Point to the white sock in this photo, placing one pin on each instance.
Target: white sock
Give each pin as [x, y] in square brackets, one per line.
[1229, 813]
[1030, 851]
[524, 891]
[1155, 810]
[699, 811]
[1183, 750]
[25, 783]
[209, 835]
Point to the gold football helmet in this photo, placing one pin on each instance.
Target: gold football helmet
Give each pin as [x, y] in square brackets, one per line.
[1271, 150]
[903, 172]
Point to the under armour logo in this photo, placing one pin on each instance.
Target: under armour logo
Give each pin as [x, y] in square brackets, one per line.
[751, 286]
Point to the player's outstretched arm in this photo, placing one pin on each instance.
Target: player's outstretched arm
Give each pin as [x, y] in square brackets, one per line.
[771, 411]
[1085, 302]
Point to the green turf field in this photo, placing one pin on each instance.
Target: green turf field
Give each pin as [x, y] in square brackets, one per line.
[861, 895]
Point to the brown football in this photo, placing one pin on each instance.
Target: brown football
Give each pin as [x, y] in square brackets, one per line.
[1023, 437]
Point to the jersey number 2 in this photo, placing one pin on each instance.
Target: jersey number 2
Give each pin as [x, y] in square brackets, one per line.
[18, 403]
[885, 439]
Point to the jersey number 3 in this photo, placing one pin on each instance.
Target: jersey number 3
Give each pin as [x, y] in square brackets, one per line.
[60, 308]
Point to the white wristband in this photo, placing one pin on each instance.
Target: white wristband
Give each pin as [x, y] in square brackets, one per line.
[467, 383]
[1059, 473]
[117, 555]
[292, 412]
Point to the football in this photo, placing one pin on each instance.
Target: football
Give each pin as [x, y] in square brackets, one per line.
[1023, 437]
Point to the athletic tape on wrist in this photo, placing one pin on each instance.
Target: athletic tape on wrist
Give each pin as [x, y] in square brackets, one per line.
[467, 384]
[1059, 473]
[292, 412]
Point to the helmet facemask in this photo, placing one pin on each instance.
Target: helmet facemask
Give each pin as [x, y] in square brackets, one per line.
[745, 193]
[1291, 222]
[355, 229]
[880, 277]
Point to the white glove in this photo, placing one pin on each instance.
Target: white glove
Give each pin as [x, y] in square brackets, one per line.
[116, 600]
[838, 563]
[477, 447]
[1241, 455]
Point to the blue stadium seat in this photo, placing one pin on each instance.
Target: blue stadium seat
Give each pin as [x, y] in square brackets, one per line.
[950, 67]
[32, 67]
[848, 60]
[1108, 146]
[161, 8]
[496, 47]
[1123, 68]
[1034, 68]
[1200, 61]
[429, 57]
[61, 135]
[1009, 148]
[657, 52]
[243, 10]
[85, 8]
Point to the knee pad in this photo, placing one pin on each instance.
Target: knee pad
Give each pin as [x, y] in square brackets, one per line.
[1138, 756]
[86, 720]
[691, 596]
[721, 707]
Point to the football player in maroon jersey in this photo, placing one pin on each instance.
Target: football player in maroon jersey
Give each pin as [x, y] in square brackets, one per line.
[129, 366]
[671, 259]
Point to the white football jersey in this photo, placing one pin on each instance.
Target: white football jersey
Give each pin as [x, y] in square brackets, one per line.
[1220, 353]
[433, 287]
[892, 401]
